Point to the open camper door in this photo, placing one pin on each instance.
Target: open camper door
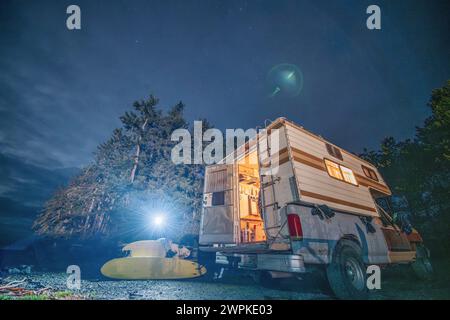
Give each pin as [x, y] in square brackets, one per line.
[218, 221]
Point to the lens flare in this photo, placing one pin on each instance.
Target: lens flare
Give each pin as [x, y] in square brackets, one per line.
[285, 80]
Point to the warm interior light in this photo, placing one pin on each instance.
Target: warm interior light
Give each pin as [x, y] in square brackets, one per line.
[348, 175]
[333, 169]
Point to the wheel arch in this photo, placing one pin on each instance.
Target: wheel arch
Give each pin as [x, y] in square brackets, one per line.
[346, 237]
[339, 280]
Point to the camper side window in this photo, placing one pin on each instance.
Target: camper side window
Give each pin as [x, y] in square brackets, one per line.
[334, 152]
[348, 175]
[369, 173]
[214, 199]
[333, 169]
[218, 198]
[340, 172]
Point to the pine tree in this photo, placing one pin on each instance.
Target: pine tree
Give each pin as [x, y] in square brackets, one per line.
[131, 177]
[419, 169]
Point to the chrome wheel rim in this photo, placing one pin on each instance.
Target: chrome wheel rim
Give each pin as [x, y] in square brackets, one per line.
[355, 274]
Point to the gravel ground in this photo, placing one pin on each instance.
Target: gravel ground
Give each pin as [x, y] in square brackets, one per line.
[171, 290]
[397, 283]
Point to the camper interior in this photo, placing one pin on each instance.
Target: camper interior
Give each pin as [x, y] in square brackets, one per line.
[251, 223]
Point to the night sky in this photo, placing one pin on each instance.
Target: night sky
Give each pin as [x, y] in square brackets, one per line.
[62, 91]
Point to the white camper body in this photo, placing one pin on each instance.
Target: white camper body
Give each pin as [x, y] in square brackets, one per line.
[288, 199]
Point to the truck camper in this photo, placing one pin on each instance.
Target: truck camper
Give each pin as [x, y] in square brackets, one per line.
[297, 203]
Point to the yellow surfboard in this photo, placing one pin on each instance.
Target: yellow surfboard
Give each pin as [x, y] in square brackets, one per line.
[145, 268]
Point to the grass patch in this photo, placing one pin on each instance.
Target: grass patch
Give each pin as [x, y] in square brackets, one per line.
[25, 297]
[58, 295]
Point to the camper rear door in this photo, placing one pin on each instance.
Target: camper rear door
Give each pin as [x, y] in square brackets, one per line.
[218, 223]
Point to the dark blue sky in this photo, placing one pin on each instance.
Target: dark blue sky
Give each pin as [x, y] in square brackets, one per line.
[61, 91]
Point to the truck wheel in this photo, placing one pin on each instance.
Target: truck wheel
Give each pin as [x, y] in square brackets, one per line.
[265, 279]
[208, 260]
[347, 273]
[422, 266]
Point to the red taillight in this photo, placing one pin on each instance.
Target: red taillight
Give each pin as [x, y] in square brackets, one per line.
[295, 226]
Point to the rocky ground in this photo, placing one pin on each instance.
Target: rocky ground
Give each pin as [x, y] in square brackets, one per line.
[163, 289]
[397, 283]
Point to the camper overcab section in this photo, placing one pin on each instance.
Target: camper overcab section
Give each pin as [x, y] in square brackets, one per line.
[296, 200]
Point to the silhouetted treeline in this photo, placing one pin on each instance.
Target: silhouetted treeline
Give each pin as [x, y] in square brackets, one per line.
[419, 169]
[131, 178]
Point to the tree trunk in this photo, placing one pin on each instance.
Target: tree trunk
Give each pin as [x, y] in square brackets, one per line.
[138, 153]
[136, 161]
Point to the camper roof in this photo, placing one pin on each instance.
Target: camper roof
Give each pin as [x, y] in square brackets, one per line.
[277, 123]
[281, 121]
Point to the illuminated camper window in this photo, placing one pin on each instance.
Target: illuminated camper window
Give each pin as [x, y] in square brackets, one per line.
[333, 169]
[339, 172]
[348, 175]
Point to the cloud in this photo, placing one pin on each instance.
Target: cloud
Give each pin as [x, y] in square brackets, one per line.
[29, 184]
[24, 187]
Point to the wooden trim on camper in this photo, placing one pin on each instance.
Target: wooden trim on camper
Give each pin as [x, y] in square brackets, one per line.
[349, 205]
[283, 157]
[308, 162]
[277, 123]
[335, 200]
[366, 182]
[308, 159]
[315, 162]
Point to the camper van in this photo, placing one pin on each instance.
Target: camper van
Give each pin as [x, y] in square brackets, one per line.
[296, 203]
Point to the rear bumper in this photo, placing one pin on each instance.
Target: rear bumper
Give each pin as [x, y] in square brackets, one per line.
[292, 263]
[256, 247]
[281, 262]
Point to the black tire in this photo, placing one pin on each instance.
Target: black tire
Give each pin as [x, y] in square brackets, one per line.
[422, 266]
[208, 260]
[265, 279]
[347, 273]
